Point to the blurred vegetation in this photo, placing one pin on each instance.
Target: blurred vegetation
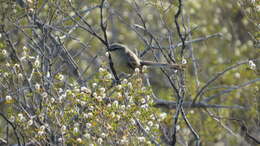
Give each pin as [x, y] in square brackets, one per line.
[49, 105]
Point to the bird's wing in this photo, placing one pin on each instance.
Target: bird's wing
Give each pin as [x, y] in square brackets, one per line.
[133, 60]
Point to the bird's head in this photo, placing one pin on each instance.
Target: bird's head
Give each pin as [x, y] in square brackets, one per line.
[116, 47]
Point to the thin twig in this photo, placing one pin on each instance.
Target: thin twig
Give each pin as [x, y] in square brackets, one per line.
[151, 137]
[231, 89]
[12, 125]
[201, 91]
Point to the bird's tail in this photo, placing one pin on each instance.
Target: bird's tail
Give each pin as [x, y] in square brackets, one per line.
[155, 64]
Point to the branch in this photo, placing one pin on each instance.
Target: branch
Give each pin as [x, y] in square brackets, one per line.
[151, 137]
[192, 41]
[12, 125]
[104, 28]
[189, 104]
[231, 89]
[201, 91]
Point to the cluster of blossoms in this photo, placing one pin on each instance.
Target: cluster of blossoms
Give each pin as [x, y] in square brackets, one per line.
[251, 65]
[94, 114]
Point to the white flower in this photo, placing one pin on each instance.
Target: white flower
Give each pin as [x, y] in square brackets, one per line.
[157, 126]
[148, 97]
[141, 139]
[115, 103]
[16, 65]
[94, 85]
[99, 98]
[178, 127]
[4, 52]
[144, 68]
[251, 65]
[237, 75]
[85, 115]
[30, 122]
[101, 69]
[75, 129]
[25, 48]
[130, 85]
[162, 116]
[60, 77]
[150, 123]
[52, 100]
[138, 113]
[37, 86]
[48, 75]
[21, 117]
[137, 70]
[99, 140]
[87, 135]
[103, 95]
[85, 89]
[102, 90]
[42, 127]
[144, 106]
[5, 74]
[108, 76]
[88, 125]
[60, 90]
[37, 62]
[119, 87]
[20, 76]
[44, 94]
[103, 135]
[79, 140]
[112, 114]
[118, 117]
[8, 98]
[147, 128]
[122, 107]
[12, 118]
[90, 115]
[63, 129]
[60, 98]
[142, 100]
[184, 61]
[7, 64]
[124, 81]
[76, 124]
[132, 121]
[109, 105]
[60, 139]
[119, 95]
[94, 94]
[152, 117]
[124, 140]
[107, 54]
[91, 108]
[40, 132]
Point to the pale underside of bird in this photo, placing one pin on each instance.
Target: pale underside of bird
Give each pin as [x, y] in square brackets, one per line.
[126, 60]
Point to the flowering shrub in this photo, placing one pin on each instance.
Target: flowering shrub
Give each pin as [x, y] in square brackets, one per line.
[96, 114]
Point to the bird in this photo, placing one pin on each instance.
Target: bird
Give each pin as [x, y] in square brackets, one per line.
[127, 61]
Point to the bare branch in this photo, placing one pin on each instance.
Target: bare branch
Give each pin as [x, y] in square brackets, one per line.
[231, 89]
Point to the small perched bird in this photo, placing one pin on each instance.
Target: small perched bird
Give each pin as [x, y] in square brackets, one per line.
[126, 60]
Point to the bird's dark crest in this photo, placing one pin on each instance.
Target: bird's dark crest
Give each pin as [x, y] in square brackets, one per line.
[116, 46]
